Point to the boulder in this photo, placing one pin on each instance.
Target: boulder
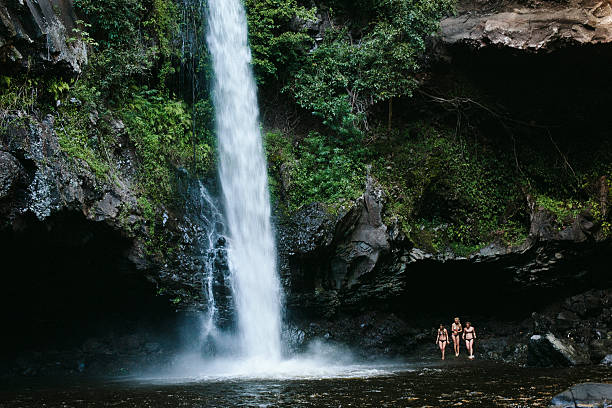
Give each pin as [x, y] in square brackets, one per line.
[584, 395]
[600, 348]
[607, 361]
[549, 351]
[541, 26]
[366, 240]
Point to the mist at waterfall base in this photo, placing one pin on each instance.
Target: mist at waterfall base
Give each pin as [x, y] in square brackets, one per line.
[241, 337]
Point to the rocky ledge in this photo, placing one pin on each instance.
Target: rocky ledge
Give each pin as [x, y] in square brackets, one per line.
[353, 279]
[529, 25]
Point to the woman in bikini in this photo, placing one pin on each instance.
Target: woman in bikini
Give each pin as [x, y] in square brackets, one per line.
[456, 330]
[442, 339]
[469, 334]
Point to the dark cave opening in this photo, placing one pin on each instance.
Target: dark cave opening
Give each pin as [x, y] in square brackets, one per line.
[66, 280]
[504, 289]
[498, 291]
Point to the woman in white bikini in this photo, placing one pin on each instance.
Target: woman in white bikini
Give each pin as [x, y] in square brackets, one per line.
[469, 334]
[456, 330]
[442, 339]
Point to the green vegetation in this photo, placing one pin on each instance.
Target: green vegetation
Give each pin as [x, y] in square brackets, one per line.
[338, 66]
[566, 210]
[318, 169]
[131, 59]
[159, 128]
[449, 189]
[125, 95]
[445, 194]
[351, 70]
[277, 49]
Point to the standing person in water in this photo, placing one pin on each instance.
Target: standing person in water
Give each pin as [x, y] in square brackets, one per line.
[469, 334]
[456, 329]
[442, 339]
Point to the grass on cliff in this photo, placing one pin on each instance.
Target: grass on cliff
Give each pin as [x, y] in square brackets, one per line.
[447, 191]
[315, 169]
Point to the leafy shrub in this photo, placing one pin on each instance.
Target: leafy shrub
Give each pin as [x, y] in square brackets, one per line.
[159, 128]
[277, 48]
[438, 184]
[81, 140]
[131, 38]
[325, 173]
[345, 76]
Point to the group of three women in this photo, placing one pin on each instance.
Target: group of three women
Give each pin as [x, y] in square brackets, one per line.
[468, 334]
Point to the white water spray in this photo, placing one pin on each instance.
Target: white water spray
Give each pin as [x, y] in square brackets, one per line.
[243, 176]
[213, 225]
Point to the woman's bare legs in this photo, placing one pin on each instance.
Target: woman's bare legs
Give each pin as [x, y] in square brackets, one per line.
[456, 344]
[442, 345]
[470, 346]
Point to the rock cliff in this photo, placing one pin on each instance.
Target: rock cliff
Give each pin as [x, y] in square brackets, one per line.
[39, 182]
[40, 36]
[350, 278]
[350, 275]
[537, 26]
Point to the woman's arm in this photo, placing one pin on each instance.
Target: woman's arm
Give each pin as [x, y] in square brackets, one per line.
[474, 331]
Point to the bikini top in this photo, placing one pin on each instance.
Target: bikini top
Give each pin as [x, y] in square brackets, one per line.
[456, 328]
[442, 333]
[469, 331]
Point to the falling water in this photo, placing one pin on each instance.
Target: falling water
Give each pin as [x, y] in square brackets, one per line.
[214, 232]
[243, 176]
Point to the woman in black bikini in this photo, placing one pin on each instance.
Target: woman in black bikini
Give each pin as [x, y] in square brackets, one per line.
[442, 339]
[456, 330]
[469, 334]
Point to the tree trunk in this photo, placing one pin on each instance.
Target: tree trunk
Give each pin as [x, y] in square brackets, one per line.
[390, 114]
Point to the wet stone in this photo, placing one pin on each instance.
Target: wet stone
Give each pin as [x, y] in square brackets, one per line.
[584, 395]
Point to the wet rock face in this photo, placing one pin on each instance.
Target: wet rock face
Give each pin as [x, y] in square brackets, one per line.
[353, 261]
[583, 395]
[583, 319]
[366, 240]
[327, 258]
[340, 270]
[550, 351]
[370, 335]
[34, 37]
[535, 26]
[38, 181]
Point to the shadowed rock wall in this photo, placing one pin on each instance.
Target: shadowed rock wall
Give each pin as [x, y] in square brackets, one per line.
[38, 36]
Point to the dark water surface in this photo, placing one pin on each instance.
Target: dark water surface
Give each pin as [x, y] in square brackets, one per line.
[465, 384]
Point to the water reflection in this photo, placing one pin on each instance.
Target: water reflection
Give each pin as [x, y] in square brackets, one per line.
[474, 385]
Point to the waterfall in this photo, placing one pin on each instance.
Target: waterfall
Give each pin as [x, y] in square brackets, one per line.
[243, 178]
[212, 237]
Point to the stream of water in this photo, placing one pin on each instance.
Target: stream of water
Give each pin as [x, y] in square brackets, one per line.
[244, 183]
